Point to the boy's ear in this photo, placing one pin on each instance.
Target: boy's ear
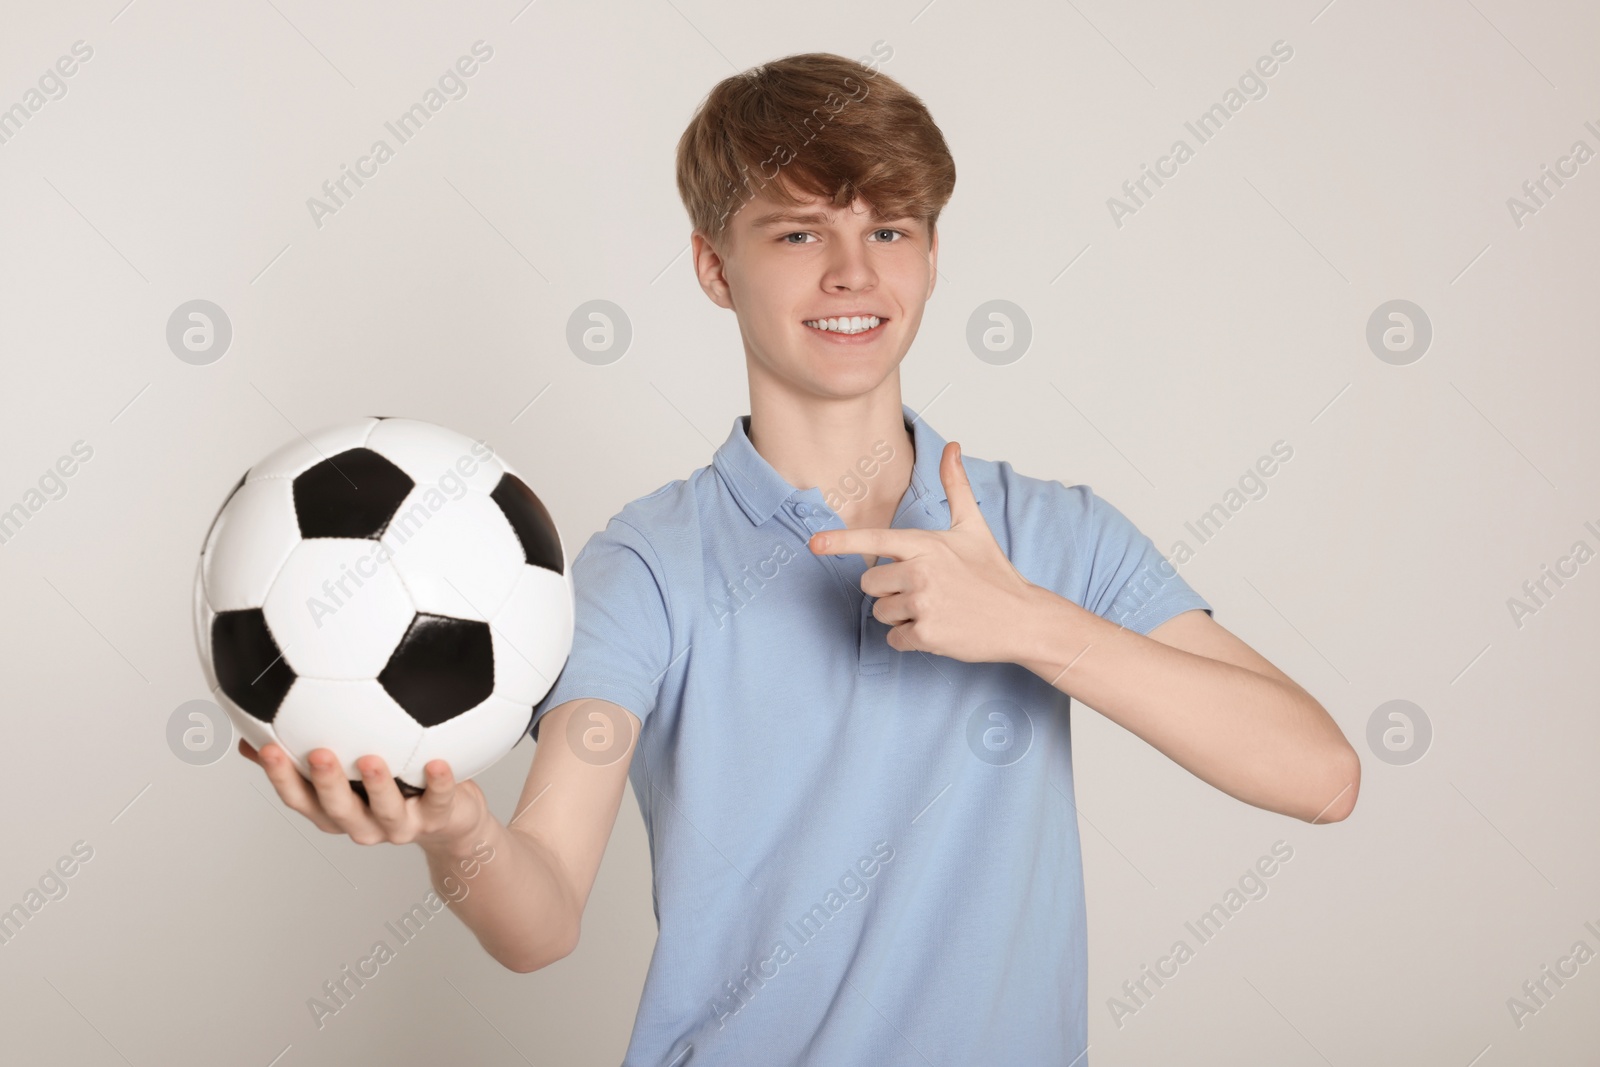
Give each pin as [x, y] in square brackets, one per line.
[708, 270]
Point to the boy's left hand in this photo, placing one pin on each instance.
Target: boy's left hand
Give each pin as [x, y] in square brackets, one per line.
[951, 592]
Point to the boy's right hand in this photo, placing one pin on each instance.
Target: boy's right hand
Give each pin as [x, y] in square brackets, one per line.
[447, 811]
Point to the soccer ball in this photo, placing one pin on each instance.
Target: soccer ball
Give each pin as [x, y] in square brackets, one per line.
[383, 587]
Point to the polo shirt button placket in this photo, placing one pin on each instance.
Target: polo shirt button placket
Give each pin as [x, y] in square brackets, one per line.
[873, 654]
[812, 518]
[873, 651]
[808, 517]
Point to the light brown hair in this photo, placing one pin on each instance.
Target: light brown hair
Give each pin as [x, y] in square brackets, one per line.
[825, 125]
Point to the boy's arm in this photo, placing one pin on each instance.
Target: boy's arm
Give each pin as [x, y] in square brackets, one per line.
[525, 902]
[1205, 699]
[1195, 692]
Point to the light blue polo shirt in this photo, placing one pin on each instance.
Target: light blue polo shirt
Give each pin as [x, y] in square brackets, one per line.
[860, 855]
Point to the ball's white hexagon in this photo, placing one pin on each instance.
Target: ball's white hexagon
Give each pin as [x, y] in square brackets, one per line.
[537, 623]
[338, 608]
[458, 556]
[253, 536]
[303, 453]
[252, 729]
[353, 718]
[472, 741]
[431, 454]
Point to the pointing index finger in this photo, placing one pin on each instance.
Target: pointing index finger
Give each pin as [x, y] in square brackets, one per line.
[866, 541]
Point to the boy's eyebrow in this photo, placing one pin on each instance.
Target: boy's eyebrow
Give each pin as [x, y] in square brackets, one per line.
[811, 218]
[808, 218]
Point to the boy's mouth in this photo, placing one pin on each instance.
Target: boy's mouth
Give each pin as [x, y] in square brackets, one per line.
[846, 325]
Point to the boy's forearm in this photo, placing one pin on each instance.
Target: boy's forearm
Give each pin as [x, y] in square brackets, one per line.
[1253, 737]
[515, 902]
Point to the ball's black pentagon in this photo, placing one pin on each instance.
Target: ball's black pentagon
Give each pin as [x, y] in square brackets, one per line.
[541, 544]
[231, 494]
[250, 667]
[353, 494]
[406, 789]
[442, 667]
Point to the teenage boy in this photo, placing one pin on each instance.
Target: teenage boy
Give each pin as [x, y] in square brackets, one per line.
[838, 661]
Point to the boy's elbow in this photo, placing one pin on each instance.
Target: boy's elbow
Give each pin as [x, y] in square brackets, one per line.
[551, 954]
[527, 965]
[1342, 783]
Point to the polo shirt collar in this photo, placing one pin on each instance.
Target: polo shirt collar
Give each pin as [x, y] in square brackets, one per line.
[761, 491]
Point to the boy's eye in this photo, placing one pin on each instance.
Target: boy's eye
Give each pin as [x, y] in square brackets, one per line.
[876, 233]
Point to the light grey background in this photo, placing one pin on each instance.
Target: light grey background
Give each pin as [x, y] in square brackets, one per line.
[1229, 313]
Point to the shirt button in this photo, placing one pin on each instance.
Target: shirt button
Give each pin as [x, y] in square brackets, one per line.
[802, 510]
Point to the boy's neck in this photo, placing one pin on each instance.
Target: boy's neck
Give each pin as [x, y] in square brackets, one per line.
[833, 444]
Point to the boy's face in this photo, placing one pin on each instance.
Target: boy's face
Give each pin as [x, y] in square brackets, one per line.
[783, 270]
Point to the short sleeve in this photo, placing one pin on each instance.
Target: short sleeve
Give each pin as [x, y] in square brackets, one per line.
[621, 625]
[1129, 582]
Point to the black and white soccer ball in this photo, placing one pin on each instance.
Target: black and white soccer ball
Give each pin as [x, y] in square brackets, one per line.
[383, 587]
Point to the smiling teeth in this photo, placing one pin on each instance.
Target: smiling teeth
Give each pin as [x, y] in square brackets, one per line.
[854, 324]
